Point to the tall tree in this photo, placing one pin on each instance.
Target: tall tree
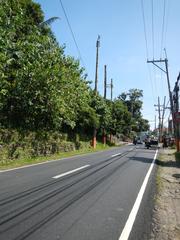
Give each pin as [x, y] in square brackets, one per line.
[29, 60]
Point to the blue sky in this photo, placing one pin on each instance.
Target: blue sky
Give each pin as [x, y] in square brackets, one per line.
[123, 45]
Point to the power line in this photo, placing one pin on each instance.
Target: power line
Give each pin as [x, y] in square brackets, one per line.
[146, 43]
[152, 8]
[144, 24]
[152, 86]
[72, 33]
[167, 18]
[163, 24]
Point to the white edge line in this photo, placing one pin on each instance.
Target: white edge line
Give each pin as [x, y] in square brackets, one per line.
[116, 155]
[72, 171]
[130, 221]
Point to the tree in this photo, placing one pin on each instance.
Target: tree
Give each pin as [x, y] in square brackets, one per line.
[40, 87]
[121, 118]
[29, 71]
[132, 100]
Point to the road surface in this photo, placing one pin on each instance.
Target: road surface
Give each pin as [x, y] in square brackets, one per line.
[87, 197]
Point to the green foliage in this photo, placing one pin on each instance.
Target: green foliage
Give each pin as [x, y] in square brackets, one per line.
[29, 67]
[44, 91]
[132, 100]
[121, 122]
[40, 88]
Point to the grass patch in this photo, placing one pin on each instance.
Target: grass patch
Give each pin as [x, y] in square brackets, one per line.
[33, 160]
[159, 182]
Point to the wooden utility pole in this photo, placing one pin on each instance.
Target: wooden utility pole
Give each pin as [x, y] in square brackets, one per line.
[159, 117]
[97, 61]
[111, 89]
[163, 113]
[168, 82]
[105, 95]
[105, 91]
[105, 81]
[96, 84]
[159, 112]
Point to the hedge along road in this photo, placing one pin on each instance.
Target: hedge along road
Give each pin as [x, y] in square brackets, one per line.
[83, 197]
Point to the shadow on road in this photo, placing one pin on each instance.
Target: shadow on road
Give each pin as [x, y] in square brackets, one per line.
[159, 162]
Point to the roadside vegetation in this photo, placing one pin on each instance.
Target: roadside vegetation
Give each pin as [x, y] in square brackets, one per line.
[46, 103]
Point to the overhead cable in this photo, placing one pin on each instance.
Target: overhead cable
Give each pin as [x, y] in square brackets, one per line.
[152, 13]
[144, 23]
[163, 26]
[72, 33]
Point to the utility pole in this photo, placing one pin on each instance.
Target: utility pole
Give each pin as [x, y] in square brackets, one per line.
[96, 82]
[105, 90]
[111, 89]
[97, 61]
[105, 95]
[155, 62]
[163, 113]
[105, 81]
[155, 123]
[159, 112]
[159, 117]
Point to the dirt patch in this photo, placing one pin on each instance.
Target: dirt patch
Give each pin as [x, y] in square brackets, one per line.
[166, 213]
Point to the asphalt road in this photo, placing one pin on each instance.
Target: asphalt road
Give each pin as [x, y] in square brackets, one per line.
[87, 197]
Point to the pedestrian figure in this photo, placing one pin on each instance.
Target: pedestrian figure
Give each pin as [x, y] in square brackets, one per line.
[164, 142]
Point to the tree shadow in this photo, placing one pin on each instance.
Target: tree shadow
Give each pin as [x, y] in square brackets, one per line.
[158, 162]
[169, 163]
[176, 175]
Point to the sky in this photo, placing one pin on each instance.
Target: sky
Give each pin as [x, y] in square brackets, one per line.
[127, 40]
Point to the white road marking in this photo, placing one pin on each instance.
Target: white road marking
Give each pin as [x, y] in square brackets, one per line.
[50, 161]
[130, 221]
[72, 171]
[130, 144]
[116, 155]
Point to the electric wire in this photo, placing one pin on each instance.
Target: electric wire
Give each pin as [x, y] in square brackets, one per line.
[72, 33]
[163, 25]
[152, 87]
[167, 19]
[144, 24]
[146, 44]
[152, 13]
[162, 41]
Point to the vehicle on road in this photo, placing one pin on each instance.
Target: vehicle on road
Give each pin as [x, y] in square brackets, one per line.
[139, 140]
[151, 142]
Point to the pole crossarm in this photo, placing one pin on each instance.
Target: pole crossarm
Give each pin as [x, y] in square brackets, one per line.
[165, 61]
[154, 62]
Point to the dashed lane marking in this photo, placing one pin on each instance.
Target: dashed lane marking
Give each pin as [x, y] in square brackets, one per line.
[69, 172]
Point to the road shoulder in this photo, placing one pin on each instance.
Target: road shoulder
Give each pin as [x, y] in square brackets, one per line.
[166, 213]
